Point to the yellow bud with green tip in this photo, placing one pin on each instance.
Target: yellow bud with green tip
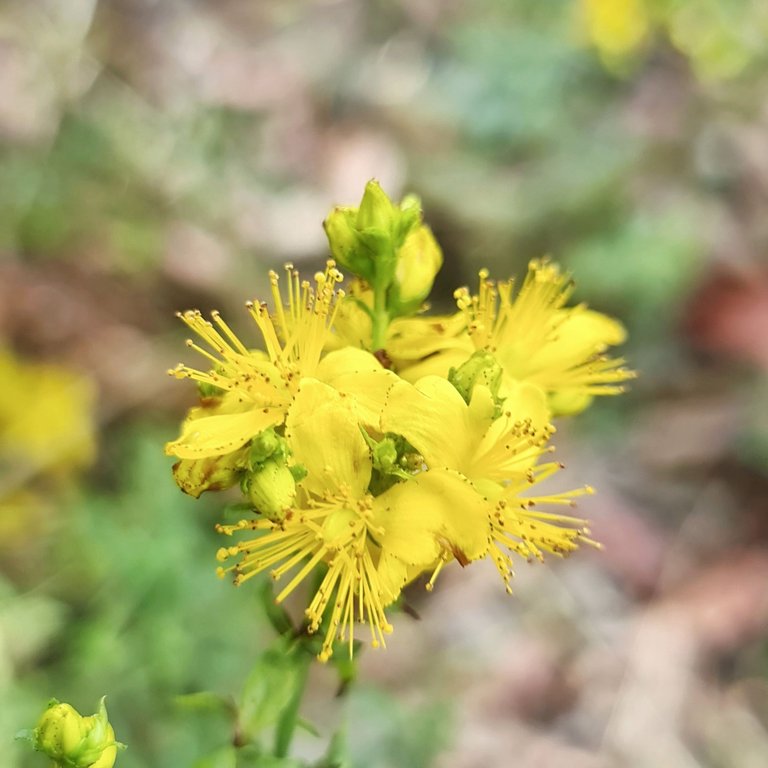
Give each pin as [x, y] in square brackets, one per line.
[376, 210]
[271, 489]
[341, 230]
[418, 262]
[74, 741]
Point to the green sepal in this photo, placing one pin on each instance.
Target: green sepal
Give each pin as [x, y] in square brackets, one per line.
[481, 368]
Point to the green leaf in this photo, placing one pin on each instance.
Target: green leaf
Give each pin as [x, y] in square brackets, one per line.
[206, 701]
[268, 689]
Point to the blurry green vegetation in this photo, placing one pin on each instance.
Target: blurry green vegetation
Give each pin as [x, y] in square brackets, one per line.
[147, 620]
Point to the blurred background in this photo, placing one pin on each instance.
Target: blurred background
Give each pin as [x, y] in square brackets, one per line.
[156, 156]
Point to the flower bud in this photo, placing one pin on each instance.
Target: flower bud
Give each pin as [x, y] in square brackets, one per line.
[366, 240]
[340, 228]
[376, 210]
[212, 473]
[418, 261]
[266, 445]
[272, 489]
[74, 741]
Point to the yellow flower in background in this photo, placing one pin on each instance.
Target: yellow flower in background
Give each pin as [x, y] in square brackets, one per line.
[720, 39]
[249, 391]
[46, 416]
[47, 434]
[536, 339]
[617, 28]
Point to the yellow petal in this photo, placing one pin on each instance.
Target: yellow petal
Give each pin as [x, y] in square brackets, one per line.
[580, 334]
[409, 526]
[515, 440]
[464, 511]
[221, 434]
[412, 338]
[525, 401]
[325, 437]
[437, 512]
[434, 419]
[358, 373]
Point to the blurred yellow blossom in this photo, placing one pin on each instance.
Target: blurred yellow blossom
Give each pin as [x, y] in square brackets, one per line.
[46, 416]
[617, 28]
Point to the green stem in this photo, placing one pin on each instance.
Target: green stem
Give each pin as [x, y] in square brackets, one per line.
[380, 317]
[287, 723]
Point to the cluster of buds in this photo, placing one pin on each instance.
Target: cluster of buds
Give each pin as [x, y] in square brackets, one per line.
[388, 246]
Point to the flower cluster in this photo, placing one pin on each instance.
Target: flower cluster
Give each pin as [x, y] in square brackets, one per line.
[373, 443]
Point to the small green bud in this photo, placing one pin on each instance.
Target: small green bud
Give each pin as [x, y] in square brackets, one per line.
[481, 368]
[365, 240]
[272, 489]
[343, 238]
[265, 445]
[299, 472]
[389, 459]
[376, 210]
[385, 455]
[418, 262]
[74, 741]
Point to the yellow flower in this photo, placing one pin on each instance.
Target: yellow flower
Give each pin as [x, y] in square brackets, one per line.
[616, 27]
[538, 340]
[496, 460]
[331, 524]
[46, 416]
[519, 527]
[369, 545]
[252, 390]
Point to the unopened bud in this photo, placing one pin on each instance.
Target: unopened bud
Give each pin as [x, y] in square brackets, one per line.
[212, 473]
[74, 741]
[340, 228]
[376, 210]
[266, 445]
[272, 489]
[418, 261]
